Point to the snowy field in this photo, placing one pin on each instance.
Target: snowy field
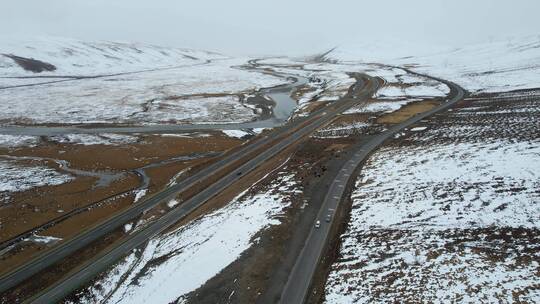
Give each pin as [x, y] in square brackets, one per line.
[176, 263]
[490, 67]
[449, 214]
[338, 130]
[17, 177]
[19, 141]
[175, 85]
[94, 139]
[14, 141]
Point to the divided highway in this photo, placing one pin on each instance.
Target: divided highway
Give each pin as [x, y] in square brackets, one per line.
[277, 142]
[300, 279]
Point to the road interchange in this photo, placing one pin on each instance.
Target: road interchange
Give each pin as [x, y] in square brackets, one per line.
[297, 287]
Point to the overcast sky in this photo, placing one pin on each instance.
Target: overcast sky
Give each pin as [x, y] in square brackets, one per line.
[272, 26]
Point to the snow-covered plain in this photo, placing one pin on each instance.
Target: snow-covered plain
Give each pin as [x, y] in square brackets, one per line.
[162, 85]
[16, 177]
[178, 262]
[337, 130]
[236, 133]
[94, 139]
[487, 67]
[449, 214]
[13, 141]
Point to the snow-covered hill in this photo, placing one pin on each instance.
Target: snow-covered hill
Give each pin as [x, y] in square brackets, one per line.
[47, 56]
[488, 67]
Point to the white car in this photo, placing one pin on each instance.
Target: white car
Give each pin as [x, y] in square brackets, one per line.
[317, 224]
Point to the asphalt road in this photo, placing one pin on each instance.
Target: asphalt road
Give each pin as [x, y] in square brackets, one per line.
[298, 284]
[99, 263]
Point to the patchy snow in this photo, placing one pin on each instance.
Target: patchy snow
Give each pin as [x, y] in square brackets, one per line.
[425, 266]
[327, 82]
[338, 130]
[139, 194]
[94, 139]
[337, 85]
[174, 180]
[401, 84]
[379, 106]
[186, 135]
[416, 129]
[236, 133]
[450, 186]
[172, 203]
[225, 109]
[43, 239]
[450, 214]
[310, 95]
[176, 263]
[14, 141]
[128, 227]
[420, 89]
[258, 130]
[17, 177]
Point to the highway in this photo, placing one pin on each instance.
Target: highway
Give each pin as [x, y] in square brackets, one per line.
[280, 140]
[298, 284]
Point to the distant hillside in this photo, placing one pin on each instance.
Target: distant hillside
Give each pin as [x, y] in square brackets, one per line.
[51, 56]
[498, 66]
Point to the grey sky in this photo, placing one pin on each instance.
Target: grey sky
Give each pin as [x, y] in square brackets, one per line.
[271, 27]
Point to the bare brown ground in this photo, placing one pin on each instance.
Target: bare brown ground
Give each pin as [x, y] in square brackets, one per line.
[312, 107]
[348, 119]
[37, 206]
[151, 149]
[32, 208]
[39, 282]
[162, 175]
[336, 147]
[64, 230]
[407, 112]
